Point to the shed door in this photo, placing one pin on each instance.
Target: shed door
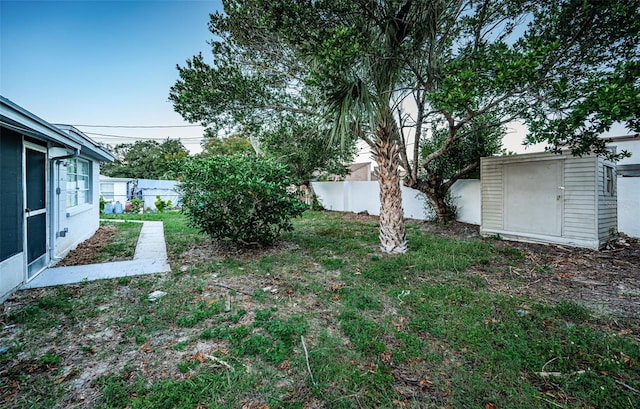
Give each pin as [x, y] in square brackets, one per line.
[36, 210]
[533, 197]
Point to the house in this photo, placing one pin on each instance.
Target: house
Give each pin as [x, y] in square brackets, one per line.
[116, 189]
[49, 185]
[122, 190]
[359, 172]
[549, 198]
[148, 189]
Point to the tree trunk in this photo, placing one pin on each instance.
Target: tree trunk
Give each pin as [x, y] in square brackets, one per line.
[393, 239]
[436, 192]
[438, 203]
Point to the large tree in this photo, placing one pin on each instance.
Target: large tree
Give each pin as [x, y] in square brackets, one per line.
[437, 76]
[146, 160]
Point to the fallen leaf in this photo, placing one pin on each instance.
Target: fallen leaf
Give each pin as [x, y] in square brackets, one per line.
[199, 356]
[64, 377]
[285, 364]
[489, 405]
[425, 383]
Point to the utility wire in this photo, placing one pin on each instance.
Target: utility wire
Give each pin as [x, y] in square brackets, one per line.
[138, 126]
[103, 135]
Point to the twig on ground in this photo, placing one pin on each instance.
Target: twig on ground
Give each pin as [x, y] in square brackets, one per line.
[631, 388]
[553, 403]
[220, 361]
[306, 357]
[547, 363]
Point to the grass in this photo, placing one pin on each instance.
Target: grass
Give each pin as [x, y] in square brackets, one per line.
[416, 330]
[122, 245]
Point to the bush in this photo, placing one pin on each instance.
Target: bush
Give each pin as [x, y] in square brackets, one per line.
[161, 205]
[244, 199]
[136, 205]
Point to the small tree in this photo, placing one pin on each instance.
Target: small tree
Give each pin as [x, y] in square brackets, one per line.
[240, 198]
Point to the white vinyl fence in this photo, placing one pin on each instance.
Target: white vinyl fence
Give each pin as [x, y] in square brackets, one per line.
[357, 197]
[365, 196]
[629, 206]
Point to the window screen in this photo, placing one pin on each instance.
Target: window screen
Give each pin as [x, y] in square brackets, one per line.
[11, 205]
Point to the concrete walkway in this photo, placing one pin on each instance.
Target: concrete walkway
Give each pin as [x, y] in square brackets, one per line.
[150, 257]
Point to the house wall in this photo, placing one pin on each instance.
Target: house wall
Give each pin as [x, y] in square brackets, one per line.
[632, 147]
[119, 190]
[74, 225]
[12, 255]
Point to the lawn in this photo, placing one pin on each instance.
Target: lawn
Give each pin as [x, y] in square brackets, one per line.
[322, 320]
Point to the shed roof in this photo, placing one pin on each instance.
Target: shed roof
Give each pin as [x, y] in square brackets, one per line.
[156, 184]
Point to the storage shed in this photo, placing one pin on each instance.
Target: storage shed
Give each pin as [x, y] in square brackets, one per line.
[549, 198]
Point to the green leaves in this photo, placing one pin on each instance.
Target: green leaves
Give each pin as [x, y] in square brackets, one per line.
[244, 199]
[146, 160]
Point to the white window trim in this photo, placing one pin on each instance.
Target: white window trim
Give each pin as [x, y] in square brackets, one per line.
[80, 207]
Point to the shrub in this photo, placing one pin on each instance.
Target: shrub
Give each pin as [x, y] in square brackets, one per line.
[161, 205]
[136, 205]
[244, 199]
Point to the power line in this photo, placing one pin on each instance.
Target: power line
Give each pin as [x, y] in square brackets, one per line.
[138, 126]
[142, 138]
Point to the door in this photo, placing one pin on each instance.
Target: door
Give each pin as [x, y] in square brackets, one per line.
[533, 197]
[35, 159]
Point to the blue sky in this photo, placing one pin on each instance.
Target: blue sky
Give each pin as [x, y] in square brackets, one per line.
[102, 62]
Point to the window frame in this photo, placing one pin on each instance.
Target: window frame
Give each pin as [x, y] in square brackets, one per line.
[609, 181]
[74, 176]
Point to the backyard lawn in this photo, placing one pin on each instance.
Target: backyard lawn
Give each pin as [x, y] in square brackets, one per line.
[324, 320]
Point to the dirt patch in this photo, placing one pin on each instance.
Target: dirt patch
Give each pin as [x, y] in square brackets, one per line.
[606, 280]
[87, 252]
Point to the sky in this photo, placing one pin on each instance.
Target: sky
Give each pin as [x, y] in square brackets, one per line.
[103, 63]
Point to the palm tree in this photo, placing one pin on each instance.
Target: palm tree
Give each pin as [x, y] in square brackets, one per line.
[364, 101]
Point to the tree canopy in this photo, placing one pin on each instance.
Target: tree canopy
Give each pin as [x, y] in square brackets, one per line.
[145, 159]
[437, 77]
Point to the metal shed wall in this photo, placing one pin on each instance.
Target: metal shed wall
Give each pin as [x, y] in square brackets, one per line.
[588, 214]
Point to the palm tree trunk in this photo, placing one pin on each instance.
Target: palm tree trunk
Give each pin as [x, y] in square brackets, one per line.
[393, 239]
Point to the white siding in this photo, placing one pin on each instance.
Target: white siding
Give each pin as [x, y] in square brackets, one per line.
[607, 204]
[588, 215]
[492, 194]
[579, 202]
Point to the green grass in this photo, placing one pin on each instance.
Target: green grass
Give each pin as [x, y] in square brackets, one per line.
[416, 330]
[122, 245]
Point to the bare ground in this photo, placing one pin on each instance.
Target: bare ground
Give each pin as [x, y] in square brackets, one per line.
[606, 280]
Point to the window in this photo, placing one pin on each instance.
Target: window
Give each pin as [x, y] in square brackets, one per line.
[609, 180]
[107, 191]
[78, 183]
